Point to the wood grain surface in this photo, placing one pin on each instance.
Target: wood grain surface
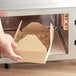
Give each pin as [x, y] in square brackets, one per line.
[60, 68]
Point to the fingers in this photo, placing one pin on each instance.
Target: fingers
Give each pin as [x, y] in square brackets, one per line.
[14, 45]
[8, 52]
[7, 48]
[15, 57]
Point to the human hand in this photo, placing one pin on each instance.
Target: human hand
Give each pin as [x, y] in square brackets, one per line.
[7, 44]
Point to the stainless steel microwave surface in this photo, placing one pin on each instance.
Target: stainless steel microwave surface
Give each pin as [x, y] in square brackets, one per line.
[63, 10]
[34, 4]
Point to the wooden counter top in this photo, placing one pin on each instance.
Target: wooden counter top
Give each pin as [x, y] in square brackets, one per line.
[59, 68]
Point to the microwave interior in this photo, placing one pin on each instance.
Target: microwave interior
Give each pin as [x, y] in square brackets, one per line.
[36, 28]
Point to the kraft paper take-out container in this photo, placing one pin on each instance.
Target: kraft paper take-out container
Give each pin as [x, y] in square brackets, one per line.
[34, 42]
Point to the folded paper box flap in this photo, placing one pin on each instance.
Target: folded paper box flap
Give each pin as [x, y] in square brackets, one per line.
[31, 43]
[31, 47]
